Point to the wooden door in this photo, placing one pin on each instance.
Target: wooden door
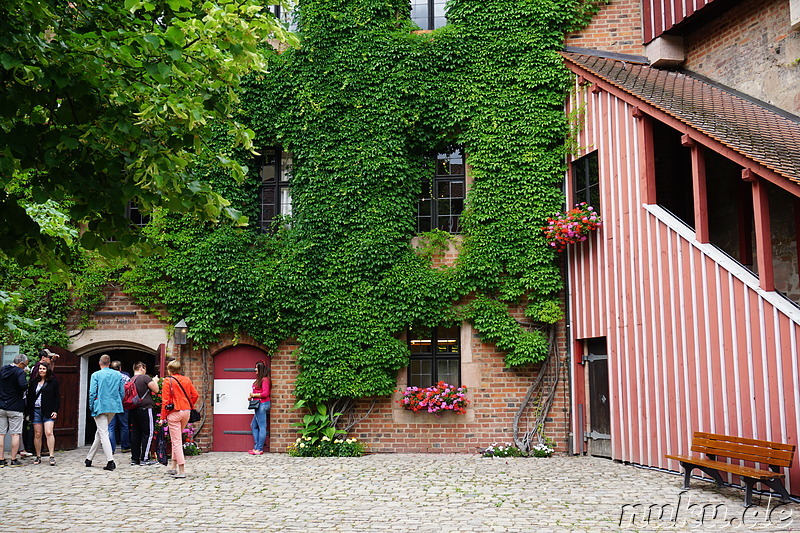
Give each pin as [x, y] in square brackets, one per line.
[67, 372]
[599, 436]
[234, 373]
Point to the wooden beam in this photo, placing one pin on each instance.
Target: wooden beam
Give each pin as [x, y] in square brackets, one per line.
[700, 196]
[647, 161]
[766, 277]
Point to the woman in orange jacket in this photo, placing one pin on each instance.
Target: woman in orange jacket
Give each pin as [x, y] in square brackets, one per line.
[178, 397]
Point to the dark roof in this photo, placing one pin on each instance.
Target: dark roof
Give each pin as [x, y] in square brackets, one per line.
[754, 129]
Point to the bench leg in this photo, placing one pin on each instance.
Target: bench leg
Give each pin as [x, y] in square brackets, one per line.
[687, 474]
[749, 483]
[712, 472]
[777, 486]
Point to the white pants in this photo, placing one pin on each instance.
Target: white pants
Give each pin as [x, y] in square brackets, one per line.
[101, 437]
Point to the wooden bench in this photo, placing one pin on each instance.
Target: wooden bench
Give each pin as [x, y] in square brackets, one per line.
[774, 454]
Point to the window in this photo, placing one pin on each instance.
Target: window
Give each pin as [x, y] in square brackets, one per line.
[136, 217]
[441, 201]
[586, 180]
[731, 221]
[673, 170]
[275, 196]
[285, 16]
[428, 14]
[435, 357]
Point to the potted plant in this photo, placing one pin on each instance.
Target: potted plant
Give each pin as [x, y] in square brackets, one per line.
[571, 227]
[440, 398]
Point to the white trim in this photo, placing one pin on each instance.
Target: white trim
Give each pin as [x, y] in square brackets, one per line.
[711, 251]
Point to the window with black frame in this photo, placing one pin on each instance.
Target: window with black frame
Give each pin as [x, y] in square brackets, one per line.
[586, 180]
[135, 215]
[441, 200]
[285, 15]
[275, 195]
[435, 357]
[429, 14]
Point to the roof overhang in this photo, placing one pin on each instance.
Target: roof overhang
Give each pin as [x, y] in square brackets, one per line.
[763, 140]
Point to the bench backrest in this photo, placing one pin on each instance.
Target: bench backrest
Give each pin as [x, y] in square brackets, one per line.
[754, 450]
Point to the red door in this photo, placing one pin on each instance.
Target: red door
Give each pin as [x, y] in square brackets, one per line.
[67, 372]
[234, 374]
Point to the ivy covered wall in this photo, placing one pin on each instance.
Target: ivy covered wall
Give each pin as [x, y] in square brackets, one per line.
[362, 104]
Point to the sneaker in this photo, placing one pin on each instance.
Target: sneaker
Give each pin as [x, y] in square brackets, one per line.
[147, 462]
[52, 461]
[125, 450]
[23, 453]
[251, 452]
[87, 462]
[172, 472]
[258, 452]
[135, 463]
[110, 466]
[182, 475]
[37, 461]
[14, 462]
[3, 462]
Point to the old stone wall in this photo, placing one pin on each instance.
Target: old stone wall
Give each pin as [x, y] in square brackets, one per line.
[750, 48]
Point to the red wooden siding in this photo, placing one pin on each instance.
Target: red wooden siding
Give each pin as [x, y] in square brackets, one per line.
[694, 342]
[659, 16]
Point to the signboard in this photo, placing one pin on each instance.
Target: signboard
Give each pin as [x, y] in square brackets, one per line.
[10, 351]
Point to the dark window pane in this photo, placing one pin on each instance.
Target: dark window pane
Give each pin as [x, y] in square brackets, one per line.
[420, 373]
[448, 340]
[586, 180]
[447, 370]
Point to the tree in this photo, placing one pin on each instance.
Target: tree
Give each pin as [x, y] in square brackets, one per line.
[103, 103]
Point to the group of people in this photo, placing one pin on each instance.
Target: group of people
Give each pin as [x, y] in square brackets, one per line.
[38, 400]
[106, 392]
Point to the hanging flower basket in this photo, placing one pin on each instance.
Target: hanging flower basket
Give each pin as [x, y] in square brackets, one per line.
[438, 399]
[572, 227]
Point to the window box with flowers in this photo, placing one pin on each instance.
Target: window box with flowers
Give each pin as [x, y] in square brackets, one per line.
[441, 398]
[572, 227]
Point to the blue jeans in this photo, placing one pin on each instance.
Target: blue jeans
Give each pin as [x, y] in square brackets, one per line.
[120, 423]
[259, 426]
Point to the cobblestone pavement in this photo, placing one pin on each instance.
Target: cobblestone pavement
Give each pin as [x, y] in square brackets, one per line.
[382, 492]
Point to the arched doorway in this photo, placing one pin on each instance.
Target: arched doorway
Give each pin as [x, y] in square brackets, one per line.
[234, 373]
[127, 356]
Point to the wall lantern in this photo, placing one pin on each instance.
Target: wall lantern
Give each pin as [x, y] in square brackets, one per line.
[181, 330]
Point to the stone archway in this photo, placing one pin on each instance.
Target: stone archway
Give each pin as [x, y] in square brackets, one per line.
[124, 351]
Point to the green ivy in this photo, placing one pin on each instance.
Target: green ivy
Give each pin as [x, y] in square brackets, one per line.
[362, 104]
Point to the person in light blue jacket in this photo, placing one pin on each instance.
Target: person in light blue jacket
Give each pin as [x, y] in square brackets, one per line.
[105, 400]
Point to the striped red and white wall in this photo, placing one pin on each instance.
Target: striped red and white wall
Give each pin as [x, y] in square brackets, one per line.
[659, 16]
[694, 343]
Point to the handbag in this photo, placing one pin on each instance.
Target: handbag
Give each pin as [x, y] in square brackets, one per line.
[194, 414]
[161, 446]
[254, 404]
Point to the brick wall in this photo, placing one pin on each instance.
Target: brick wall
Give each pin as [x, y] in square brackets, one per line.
[389, 428]
[752, 49]
[617, 27]
[119, 312]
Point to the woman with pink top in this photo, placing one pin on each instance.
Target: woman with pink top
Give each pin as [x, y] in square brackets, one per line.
[261, 390]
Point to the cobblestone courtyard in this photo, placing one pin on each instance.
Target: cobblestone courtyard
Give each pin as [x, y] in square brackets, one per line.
[398, 493]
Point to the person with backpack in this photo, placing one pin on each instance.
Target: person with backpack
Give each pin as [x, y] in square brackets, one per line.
[138, 401]
[43, 402]
[178, 396]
